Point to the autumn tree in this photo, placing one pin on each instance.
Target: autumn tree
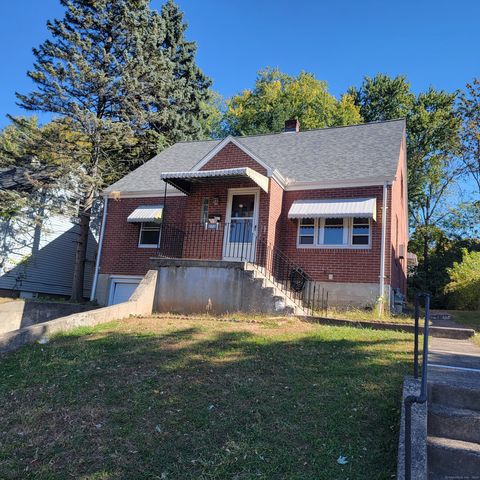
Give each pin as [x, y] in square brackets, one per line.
[277, 97]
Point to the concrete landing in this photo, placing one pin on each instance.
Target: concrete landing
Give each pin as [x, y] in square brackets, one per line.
[455, 361]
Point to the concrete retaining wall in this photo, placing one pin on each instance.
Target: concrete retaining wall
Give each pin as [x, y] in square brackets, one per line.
[140, 303]
[349, 294]
[23, 313]
[199, 286]
[419, 434]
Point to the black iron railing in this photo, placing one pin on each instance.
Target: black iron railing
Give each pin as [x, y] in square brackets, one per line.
[422, 398]
[284, 273]
[240, 240]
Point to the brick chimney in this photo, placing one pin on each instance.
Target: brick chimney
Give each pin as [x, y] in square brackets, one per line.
[292, 125]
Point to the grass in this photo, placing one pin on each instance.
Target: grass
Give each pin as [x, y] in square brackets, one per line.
[370, 315]
[195, 398]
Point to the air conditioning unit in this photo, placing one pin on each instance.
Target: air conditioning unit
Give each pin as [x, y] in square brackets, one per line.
[401, 251]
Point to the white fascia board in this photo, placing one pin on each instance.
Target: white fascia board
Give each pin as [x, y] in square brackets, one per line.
[280, 179]
[145, 194]
[326, 184]
[221, 145]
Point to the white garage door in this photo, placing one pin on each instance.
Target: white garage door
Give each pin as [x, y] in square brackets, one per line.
[122, 290]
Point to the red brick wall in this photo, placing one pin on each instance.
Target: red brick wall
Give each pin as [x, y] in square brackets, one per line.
[399, 225]
[120, 252]
[208, 244]
[231, 156]
[346, 265]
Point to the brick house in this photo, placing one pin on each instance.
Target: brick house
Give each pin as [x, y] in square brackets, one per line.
[328, 205]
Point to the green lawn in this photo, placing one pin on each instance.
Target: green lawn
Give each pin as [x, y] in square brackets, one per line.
[186, 398]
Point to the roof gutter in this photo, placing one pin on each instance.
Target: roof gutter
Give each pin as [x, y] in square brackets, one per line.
[99, 251]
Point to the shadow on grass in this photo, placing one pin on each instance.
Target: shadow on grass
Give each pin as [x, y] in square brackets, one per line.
[196, 404]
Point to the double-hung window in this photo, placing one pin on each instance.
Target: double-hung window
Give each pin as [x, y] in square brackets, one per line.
[334, 232]
[149, 235]
[360, 231]
[306, 233]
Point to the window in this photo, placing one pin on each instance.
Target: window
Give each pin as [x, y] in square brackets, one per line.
[204, 211]
[306, 232]
[149, 235]
[334, 232]
[360, 231]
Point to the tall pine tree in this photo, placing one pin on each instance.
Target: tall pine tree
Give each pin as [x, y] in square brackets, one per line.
[186, 106]
[115, 73]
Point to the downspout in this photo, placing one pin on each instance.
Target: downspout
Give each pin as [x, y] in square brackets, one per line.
[99, 252]
[381, 299]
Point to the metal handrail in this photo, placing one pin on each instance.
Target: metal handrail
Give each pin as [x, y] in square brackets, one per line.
[422, 398]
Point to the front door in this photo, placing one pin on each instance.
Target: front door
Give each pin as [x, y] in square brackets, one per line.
[241, 225]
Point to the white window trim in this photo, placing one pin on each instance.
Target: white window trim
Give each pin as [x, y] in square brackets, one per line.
[148, 245]
[318, 234]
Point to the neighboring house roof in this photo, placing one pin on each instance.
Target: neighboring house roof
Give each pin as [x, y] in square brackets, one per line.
[22, 179]
[339, 154]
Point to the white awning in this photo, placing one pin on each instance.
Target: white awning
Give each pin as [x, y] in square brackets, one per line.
[146, 213]
[183, 180]
[350, 207]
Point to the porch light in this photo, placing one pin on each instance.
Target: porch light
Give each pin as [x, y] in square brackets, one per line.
[216, 201]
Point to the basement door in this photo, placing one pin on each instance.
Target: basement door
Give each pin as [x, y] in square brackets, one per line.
[241, 224]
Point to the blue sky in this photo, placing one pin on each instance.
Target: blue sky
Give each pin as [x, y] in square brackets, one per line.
[433, 42]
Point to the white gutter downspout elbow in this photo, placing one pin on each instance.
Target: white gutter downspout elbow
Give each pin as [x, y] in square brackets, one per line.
[99, 251]
[381, 299]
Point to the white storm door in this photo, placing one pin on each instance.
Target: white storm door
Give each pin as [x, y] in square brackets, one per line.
[241, 224]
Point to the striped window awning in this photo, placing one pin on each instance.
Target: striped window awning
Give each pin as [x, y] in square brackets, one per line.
[350, 207]
[183, 181]
[146, 213]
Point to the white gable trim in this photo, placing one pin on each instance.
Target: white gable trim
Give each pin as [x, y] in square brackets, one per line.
[223, 144]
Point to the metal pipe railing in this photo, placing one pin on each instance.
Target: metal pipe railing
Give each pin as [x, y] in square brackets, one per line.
[422, 398]
[240, 241]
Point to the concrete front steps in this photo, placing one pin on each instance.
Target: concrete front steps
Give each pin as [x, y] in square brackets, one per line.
[284, 304]
[453, 440]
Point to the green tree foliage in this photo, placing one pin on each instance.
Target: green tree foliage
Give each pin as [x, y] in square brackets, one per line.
[188, 107]
[469, 109]
[383, 98]
[277, 97]
[444, 252]
[464, 285]
[122, 80]
[31, 166]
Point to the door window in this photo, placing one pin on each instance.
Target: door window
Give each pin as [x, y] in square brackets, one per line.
[241, 228]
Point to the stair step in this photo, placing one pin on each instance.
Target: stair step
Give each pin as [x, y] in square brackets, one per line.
[292, 307]
[454, 423]
[453, 395]
[453, 457]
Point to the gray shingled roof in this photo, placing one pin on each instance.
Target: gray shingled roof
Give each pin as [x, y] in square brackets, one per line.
[328, 154]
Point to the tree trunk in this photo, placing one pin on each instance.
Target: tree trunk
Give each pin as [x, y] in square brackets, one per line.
[80, 257]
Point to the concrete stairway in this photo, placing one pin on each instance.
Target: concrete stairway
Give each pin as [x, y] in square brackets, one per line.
[284, 304]
[453, 432]
[453, 442]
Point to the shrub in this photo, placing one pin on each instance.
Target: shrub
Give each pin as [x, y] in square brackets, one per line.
[464, 286]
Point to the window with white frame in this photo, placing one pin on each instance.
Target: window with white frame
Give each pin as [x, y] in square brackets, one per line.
[149, 235]
[334, 232]
[306, 231]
